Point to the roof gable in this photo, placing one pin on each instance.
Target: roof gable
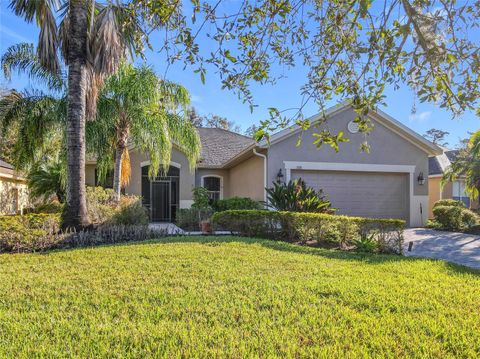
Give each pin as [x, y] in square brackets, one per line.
[378, 115]
[438, 164]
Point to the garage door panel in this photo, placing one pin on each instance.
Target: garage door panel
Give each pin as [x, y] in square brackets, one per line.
[364, 194]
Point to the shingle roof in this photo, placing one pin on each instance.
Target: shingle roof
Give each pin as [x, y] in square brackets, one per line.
[438, 164]
[219, 146]
[5, 164]
[452, 155]
[434, 167]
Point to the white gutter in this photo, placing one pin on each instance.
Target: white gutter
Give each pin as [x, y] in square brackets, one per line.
[264, 173]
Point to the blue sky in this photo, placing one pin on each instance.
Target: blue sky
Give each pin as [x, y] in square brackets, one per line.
[211, 99]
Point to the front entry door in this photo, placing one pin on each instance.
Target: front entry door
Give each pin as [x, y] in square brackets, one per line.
[161, 201]
[161, 195]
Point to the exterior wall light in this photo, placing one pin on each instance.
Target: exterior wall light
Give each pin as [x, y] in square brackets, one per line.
[421, 179]
[280, 176]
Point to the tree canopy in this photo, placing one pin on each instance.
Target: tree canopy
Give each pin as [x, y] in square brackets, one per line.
[352, 49]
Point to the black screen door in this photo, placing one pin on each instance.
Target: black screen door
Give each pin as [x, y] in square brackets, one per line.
[161, 201]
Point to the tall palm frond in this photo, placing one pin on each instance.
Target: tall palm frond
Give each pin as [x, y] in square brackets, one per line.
[37, 118]
[474, 144]
[185, 136]
[42, 12]
[467, 167]
[22, 58]
[48, 40]
[106, 43]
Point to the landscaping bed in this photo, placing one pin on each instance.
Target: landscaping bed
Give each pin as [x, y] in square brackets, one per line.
[234, 297]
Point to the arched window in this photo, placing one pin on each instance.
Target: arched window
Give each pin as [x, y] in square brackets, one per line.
[214, 186]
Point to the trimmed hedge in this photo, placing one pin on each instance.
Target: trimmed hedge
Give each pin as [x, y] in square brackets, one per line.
[304, 227]
[449, 202]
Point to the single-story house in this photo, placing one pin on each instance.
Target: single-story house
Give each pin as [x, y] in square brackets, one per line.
[388, 182]
[451, 190]
[13, 190]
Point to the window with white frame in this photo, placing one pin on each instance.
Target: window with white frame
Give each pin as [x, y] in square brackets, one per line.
[459, 193]
[214, 187]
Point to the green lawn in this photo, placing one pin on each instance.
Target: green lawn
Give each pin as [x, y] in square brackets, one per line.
[234, 297]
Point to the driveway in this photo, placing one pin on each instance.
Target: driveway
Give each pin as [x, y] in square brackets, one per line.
[450, 246]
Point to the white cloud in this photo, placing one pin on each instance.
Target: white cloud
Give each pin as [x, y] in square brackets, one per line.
[420, 117]
[12, 34]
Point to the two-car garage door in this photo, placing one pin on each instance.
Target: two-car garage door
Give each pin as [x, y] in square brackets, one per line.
[364, 194]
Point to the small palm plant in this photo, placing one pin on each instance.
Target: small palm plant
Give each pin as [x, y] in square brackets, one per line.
[367, 243]
[296, 196]
[48, 179]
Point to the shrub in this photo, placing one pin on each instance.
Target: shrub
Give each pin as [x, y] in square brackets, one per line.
[100, 205]
[113, 222]
[189, 219]
[469, 218]
[14, 240]
[28, 232]
[295, 196]
[449, 202]
[452, 215]
[235, 203]
[366, 244]
[102, 209]
[130, 211]
[51, 207]
[320, 227]
[200, 198]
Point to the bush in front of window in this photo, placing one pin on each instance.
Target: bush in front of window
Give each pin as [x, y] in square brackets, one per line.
[200, 198]
[235, 203]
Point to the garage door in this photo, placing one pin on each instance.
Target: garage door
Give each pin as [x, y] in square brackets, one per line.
[363, 194]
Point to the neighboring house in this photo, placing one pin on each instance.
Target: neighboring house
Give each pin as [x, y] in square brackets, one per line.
[388, 182]
[13, 190]
[451, 190]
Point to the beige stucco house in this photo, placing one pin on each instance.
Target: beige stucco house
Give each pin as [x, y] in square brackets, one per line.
[451, 190]
[13, 190]
[388, 182]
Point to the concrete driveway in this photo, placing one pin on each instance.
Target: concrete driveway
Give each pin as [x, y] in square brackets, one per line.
[450, 246]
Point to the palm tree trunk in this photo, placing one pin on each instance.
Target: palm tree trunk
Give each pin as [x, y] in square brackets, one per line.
[123, 131]
[75, 213]
[117, 172]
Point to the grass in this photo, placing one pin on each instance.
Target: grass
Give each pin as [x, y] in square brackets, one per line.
[234, 297]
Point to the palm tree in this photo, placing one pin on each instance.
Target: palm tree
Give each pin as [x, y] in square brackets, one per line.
[467, 165]
[136, 107]
[91, 39]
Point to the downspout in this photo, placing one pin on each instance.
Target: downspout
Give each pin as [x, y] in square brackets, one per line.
[264, 172]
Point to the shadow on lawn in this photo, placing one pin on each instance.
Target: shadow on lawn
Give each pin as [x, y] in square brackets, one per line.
[322, 252]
